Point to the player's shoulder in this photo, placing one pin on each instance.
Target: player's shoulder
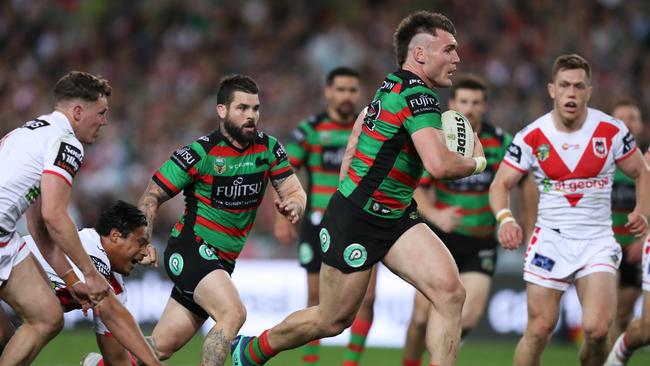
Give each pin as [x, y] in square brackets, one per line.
[315, 120]
[92, 243]
[205, 143]
[597, 116]
[541, 121]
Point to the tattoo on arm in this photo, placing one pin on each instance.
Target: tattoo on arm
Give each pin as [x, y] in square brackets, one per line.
[276, 185]
[149, 203]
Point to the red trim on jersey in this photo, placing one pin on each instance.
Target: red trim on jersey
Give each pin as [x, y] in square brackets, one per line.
[490, 142]
[115, 284]
[232, 231]
[323, 190]
[203, 199]
[226, 150]
[621, 230]
[280, 171]
[166, 182]
[316, 149]
[546, 278]
[598, 265]
[353, 176]
[385, 200]
[426, 181]
[295, 162]
[629, 153]
[374, 134]
[364, 158]
[403, 177]
[52, 172]
[514, 166]
[397, 88]
[179, 226]
[392, 118]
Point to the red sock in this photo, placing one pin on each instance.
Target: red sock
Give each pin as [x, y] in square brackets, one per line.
[406, 362]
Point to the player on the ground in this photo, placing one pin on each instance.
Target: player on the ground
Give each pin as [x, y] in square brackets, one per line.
[318, 146]
[460, 213]
[572, 152]
[223, 176]
[623, 201]
[115, 245]
[39, 161]
[372, 216]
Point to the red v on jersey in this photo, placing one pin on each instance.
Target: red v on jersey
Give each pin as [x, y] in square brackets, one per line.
[591, 163]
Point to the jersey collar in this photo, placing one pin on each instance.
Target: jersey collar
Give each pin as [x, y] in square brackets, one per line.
[62, 121]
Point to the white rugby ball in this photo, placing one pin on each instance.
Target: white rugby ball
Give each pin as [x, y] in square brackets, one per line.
[459, 135]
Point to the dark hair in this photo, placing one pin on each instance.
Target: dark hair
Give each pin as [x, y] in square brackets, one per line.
[122, 216]
[571, 62]
[82, 85]
[340, 71]
[418, 22]
[469, 81]
[232, 83]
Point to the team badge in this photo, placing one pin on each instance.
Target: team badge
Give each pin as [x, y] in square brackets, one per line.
[600, 146]
[219, 165]
[543, 152]
[355, 255]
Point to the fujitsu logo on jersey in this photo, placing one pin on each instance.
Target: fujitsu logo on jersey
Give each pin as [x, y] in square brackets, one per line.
[238, 192]
[239, 189]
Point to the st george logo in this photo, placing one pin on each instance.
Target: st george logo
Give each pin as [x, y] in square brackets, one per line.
[600, 146]
[355, 255]
[219, 165]
[176, 264]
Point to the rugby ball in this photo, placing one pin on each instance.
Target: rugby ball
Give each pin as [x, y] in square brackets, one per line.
[458, 132]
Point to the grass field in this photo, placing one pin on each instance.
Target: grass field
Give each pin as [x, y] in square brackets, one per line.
[69, 347]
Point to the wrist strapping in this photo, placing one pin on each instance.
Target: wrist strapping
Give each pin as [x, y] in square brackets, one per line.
[70, 278]
[481, 164]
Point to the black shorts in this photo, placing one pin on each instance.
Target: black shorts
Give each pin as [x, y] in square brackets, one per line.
[187, 261]
[471, 254]
[354, 240]
[630, 273]
[309, 247]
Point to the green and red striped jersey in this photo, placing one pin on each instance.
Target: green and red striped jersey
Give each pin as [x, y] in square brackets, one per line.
[623, 202]
[471, 193]
[319, 144]
[223, 187]
[386, 168]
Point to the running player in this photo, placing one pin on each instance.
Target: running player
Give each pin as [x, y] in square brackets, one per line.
[572, 152]
[39, 161]
[462, 218]
[372, 216]
[319, 145]
[115, 246]
[223, 176]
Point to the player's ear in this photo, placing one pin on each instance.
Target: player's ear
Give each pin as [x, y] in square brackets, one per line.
[222, 110]
[551, 90]
[114, 235]
[77, 111]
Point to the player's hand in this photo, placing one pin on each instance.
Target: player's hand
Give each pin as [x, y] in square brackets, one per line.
[79, 292]
[284, 232]
[97, 285]
[637, 224]
[289, 209]
[478, 147]
[447, 219]
[634, 252]
[151, 258]
[510, 235]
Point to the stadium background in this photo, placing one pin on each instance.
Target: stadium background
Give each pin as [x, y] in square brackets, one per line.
[164, 60]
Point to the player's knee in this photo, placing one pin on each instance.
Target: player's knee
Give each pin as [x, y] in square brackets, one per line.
[50, 321]
[595, 332]
[337, 325]
[540, 329]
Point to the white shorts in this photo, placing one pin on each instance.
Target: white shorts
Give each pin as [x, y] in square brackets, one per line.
[645, 265]
[13, 250]
[554, 261]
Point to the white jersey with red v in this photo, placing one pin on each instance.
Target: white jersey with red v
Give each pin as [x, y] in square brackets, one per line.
[574, 171]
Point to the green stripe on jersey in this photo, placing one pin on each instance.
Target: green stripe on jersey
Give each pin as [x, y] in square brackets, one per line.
[386, 168]
[319, 144]
[623, 202]
[223, 187]
[471, 193]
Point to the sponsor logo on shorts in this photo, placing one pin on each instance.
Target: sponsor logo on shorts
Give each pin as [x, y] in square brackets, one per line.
[355, 255]
[207, 253]
[543, 262]
[305, 254]
[324, 236]
[176, 264]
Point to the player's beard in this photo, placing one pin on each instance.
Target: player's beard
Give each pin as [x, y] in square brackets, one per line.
[346, 110]
[238, 133]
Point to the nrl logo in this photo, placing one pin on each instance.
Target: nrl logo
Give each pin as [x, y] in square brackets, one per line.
[219, 165]
[600, 146]
[543, 152]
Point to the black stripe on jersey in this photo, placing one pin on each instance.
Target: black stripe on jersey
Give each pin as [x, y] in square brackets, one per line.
[409, 80]
[210, 140]
[191, 210]
[383, 163]
[163, 186]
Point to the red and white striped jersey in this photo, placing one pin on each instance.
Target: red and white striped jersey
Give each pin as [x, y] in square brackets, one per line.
[46, 144]
[574, 171]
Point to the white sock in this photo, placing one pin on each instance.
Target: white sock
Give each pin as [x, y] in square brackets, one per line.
[620, 347]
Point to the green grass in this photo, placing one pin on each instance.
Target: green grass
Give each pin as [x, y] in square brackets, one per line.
[69, 347]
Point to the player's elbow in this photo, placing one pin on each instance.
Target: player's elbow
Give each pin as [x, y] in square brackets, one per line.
[437, 168]
[53, 216]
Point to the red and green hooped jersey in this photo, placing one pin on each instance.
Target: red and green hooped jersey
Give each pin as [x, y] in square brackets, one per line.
[223, 187]
[623, 202]
[386, 168]
[471, 193]
[319, 145]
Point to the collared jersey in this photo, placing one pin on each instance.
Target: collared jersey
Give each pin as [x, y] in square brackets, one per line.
[223, 187]
[574, 171]
[386, 167]
[45, 145]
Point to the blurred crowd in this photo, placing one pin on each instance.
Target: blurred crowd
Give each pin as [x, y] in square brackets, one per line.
[164, 59]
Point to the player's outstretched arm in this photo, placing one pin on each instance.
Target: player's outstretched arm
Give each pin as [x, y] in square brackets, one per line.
[149, 202]
[124, 328]
[442, 163]
[509, 232]
[55, 196]
[292, 197]
[635, 167]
